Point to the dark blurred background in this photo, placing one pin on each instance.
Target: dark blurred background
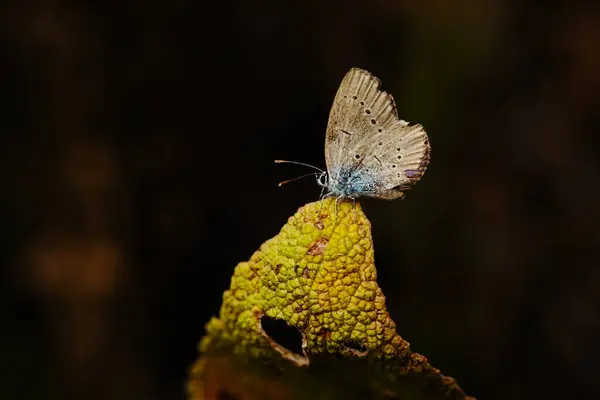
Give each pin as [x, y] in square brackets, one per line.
[138, 140]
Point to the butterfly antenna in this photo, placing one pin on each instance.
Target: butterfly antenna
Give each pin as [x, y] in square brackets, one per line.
[295, 179]
[298, 163]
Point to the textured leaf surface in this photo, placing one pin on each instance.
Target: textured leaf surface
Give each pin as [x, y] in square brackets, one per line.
[318, 275]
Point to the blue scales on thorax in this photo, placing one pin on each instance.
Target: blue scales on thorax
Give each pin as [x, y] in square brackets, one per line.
[352, 182]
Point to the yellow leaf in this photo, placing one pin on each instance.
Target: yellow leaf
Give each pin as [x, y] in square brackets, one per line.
[318, 277]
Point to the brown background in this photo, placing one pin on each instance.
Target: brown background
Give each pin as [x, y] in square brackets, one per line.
[136, 171]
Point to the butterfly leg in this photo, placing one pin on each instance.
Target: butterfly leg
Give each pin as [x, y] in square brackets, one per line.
[321, 197]
[355, 217]
[335, 207]
[335, 212]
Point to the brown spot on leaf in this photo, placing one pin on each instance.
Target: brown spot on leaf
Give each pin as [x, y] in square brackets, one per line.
[278, 268]
[319, 222]
[325, 333]
[306, 273]
[318, 247]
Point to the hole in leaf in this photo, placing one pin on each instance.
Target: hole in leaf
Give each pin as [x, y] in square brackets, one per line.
[362, 103]
[381, 143]
[373, 122]
[368, 111]
[356, 347]
[357, 156]
[393, 165]
[354, 97]
[283, 334]
[379, 130]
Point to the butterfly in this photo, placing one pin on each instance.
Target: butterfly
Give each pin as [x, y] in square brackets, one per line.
[369, 150]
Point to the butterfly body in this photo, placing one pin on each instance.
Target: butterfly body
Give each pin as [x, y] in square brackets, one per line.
[350, 183]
